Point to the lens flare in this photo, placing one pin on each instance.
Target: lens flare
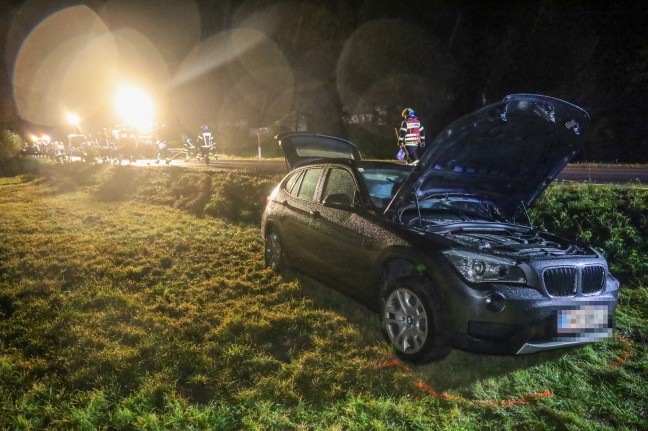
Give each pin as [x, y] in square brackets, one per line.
[134, 106]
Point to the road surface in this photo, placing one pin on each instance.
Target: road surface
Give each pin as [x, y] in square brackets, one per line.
[582, 173]
[601, 175]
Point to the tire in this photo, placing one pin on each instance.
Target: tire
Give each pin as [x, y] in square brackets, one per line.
[274, 255]
[407, 317]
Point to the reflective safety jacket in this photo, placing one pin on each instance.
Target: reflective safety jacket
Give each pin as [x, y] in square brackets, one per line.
[206, 138]
[412, 132]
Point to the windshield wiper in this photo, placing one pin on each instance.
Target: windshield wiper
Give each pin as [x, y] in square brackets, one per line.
[478, 212]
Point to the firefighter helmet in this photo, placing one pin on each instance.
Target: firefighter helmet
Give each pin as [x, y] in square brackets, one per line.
[407, 112]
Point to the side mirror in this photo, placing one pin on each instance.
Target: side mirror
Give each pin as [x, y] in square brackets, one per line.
[338, 200]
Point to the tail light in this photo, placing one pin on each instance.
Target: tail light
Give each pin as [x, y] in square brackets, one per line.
[272, 195]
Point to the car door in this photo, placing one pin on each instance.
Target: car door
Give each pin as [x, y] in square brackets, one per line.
[343, 238]
[299, 209]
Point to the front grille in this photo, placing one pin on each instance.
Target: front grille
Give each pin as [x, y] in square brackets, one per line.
[592, 279]
[569, 281]
[560, 281]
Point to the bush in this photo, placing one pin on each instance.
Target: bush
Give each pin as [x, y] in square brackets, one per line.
[238, 197]
[612, 218]
[10, 146]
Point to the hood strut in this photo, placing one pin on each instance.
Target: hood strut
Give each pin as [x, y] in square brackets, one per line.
[526, 213]
[418, 208]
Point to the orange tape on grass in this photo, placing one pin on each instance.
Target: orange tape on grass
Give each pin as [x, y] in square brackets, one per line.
[487, 403]
[393, 362]
[627, 351]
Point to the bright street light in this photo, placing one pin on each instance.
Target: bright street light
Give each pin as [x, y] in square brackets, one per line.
[135, 107]
[73, 119]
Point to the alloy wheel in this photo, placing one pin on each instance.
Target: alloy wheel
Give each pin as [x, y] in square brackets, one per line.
[273, 252]
[406, 321]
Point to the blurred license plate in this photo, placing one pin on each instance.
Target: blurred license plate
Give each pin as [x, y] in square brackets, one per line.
[582, 319]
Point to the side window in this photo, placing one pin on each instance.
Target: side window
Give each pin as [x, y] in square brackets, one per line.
[340, 181]
[290, 186]
[308, 184]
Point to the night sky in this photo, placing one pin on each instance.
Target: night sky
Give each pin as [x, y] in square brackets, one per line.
[239, 65]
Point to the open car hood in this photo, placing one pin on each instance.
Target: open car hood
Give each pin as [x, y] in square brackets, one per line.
[507, 152]
[300, 148]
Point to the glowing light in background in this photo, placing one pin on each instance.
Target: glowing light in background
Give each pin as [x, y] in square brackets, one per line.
[135, 107]
[232, 74]
[78, 56]
[41, 138]
[73, 119]
[65, 61]
[72, 58]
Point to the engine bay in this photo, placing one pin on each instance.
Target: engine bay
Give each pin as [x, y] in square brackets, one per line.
[516, 243]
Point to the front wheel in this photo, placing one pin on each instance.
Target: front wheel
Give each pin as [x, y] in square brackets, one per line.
[408, 321]
[274, 253]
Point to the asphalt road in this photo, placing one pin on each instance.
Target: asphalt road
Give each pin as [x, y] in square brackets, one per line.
[602, 175]
[263, 165]
[592, 174]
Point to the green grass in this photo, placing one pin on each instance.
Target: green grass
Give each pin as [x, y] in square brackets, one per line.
[126, 303]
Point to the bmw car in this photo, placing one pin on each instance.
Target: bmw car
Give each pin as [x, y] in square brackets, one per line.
[445, 251]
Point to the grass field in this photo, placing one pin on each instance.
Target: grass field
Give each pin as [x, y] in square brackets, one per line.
[137, 300]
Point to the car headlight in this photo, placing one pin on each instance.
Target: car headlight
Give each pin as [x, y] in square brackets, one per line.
[480, 268]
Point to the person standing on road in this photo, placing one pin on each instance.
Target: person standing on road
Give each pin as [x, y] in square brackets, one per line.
[162, 150]
[205, 141]
[411, 135]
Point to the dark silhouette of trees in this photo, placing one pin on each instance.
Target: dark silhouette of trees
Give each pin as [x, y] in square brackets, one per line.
[326, 60]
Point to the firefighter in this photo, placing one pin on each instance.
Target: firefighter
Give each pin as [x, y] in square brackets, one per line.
[411, 135]
[204, 142]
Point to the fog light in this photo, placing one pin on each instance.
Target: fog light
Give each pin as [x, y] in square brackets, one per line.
[495, 302]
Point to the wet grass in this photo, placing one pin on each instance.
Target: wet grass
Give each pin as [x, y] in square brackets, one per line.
[127, 308]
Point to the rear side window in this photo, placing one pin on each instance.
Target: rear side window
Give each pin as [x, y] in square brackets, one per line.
[290, 186]
[309, 182]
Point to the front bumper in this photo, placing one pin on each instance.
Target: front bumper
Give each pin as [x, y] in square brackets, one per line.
[534, 347]
[509, 319]
[525, 327]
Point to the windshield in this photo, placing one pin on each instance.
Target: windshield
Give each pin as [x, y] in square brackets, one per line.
[382, 182]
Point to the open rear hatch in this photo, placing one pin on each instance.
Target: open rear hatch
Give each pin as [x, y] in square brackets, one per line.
[300, 148]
